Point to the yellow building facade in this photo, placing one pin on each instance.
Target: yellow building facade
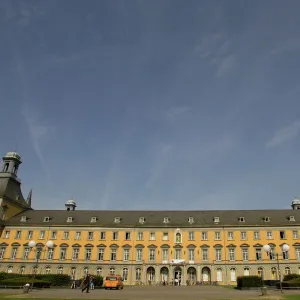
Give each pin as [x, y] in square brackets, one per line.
[146, 246]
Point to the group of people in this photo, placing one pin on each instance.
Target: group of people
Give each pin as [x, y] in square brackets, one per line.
[87, 283]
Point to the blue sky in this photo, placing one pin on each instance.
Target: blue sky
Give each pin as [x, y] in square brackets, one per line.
[153, 104]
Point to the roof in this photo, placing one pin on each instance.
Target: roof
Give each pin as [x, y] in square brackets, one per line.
[106, 218]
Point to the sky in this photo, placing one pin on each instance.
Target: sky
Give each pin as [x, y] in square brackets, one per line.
[159, 104]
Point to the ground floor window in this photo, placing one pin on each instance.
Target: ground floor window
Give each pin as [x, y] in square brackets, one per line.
[219, 275]
[125, 274]
[232, 274]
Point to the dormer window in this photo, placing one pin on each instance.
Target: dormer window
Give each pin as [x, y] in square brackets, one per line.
[266, 219]
[291, 218]
[216, 219]
[93, 219]
[117, 219]
[23, 219]
[141, 220]
[47, 219]
[241, 219]
[191, 220]
[70, 219]
[166, 219]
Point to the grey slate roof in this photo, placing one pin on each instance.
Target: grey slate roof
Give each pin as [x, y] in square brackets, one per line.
[155, 218]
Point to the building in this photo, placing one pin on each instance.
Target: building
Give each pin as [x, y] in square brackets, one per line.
[143, 246]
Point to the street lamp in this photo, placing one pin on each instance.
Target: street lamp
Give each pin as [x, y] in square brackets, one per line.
[285, 248]
[32, 244]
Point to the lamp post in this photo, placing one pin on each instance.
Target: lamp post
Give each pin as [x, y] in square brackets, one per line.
[285, 248]
[32, 244]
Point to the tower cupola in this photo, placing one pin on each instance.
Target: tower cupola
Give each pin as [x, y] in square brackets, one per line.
[70, 205]
[296, 203]
[11, 162]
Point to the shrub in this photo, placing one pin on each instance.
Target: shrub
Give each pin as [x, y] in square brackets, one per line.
[98, 280]
[56, 279]
[291, 277]
[289, 284]
[4, 275]
[21, 281]
[249, 281]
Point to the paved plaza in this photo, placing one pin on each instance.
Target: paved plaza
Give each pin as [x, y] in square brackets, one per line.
[151, 293]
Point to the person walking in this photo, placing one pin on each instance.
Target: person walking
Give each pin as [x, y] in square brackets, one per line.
[92, 283]
[86, 283]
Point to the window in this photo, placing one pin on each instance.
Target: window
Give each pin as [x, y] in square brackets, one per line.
[112, 271]
[246, 271]
[230, 236]
[18, 234]
[66, 235]
[204, 254]
[26, 253]
[204, 236]
[127, 236]
[165, 255]
[191, 236]
[93, 219]
[63, 253]
[165, 236]
[295, 234]
[54, 235]
[138, 274]
[139, 254]
[125, 274]
[10, 269]
[70, 219]
[88, 253]
[178, 237]
[273, 273]
[258, 254]
[269, 235]
[166, 220]
[60, 270]
[6, 234]
[287, 271]
[101, 254]
[141, 220]
[282, 235]
[232, 254]
[14, 252]
[218, 254]
[191, 255]
[291, 218]
[102, 235]
[115, 235]
[152, 254]
[75, 254]
[113, 254]
[216, 219]
[243, 235]
[38, 252]
[117, 220]
[22, 270]
[73, 273]
[217, 236]
[29, 234]
[99, 271]
[177, 253]
[256, 235]
[260, 272]
[245, 254]
[23, 219]
[90, 236]
[241, 219]
[266, 219]
[140, 236]
[285, 254]
[232, 274]
[297, 253]
[271, 254]
[50, 253]
[191, 220]
[85, 270]
[219, 275]
[42, 235]
[152, 236]
[78, 235]
[126, 255]
[2, 251]
[46, 219]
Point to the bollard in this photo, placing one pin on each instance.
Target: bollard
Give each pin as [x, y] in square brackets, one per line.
[26, 289]
[264, 291]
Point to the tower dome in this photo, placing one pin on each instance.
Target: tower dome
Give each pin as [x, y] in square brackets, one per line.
[70, 205]
[296, 203]
[12, 155]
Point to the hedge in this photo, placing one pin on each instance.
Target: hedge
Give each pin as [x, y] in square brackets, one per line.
[98, 280]
[21, 281]
[249, 281]
[289, 284]
[55, 279]
[291, 277]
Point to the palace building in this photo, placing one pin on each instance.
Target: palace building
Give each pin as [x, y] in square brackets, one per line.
[144, 246]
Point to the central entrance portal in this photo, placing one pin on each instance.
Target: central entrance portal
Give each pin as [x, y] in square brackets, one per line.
[177, 276]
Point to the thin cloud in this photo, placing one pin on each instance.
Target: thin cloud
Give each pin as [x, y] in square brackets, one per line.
[284, 134]
[177, 110]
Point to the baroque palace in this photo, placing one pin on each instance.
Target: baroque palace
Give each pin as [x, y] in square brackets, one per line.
[144, 246]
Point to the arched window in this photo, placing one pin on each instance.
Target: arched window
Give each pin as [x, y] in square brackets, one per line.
[99, 271]
[192, 274]
[60, 270]
[150, 274]
[260, 272]
[287, 270]
[6, 167]
[273, 273]
[232, 274]
[112, 271]
[35, 270]
[85, 270]
[22, 270]
[178, 237]
[125, 274]
[219, 275]
[47, 270]
[138, 274]
[73, 273]
[246, 271]
[10, 269]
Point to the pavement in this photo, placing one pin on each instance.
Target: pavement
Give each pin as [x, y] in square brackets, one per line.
[152, 293]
